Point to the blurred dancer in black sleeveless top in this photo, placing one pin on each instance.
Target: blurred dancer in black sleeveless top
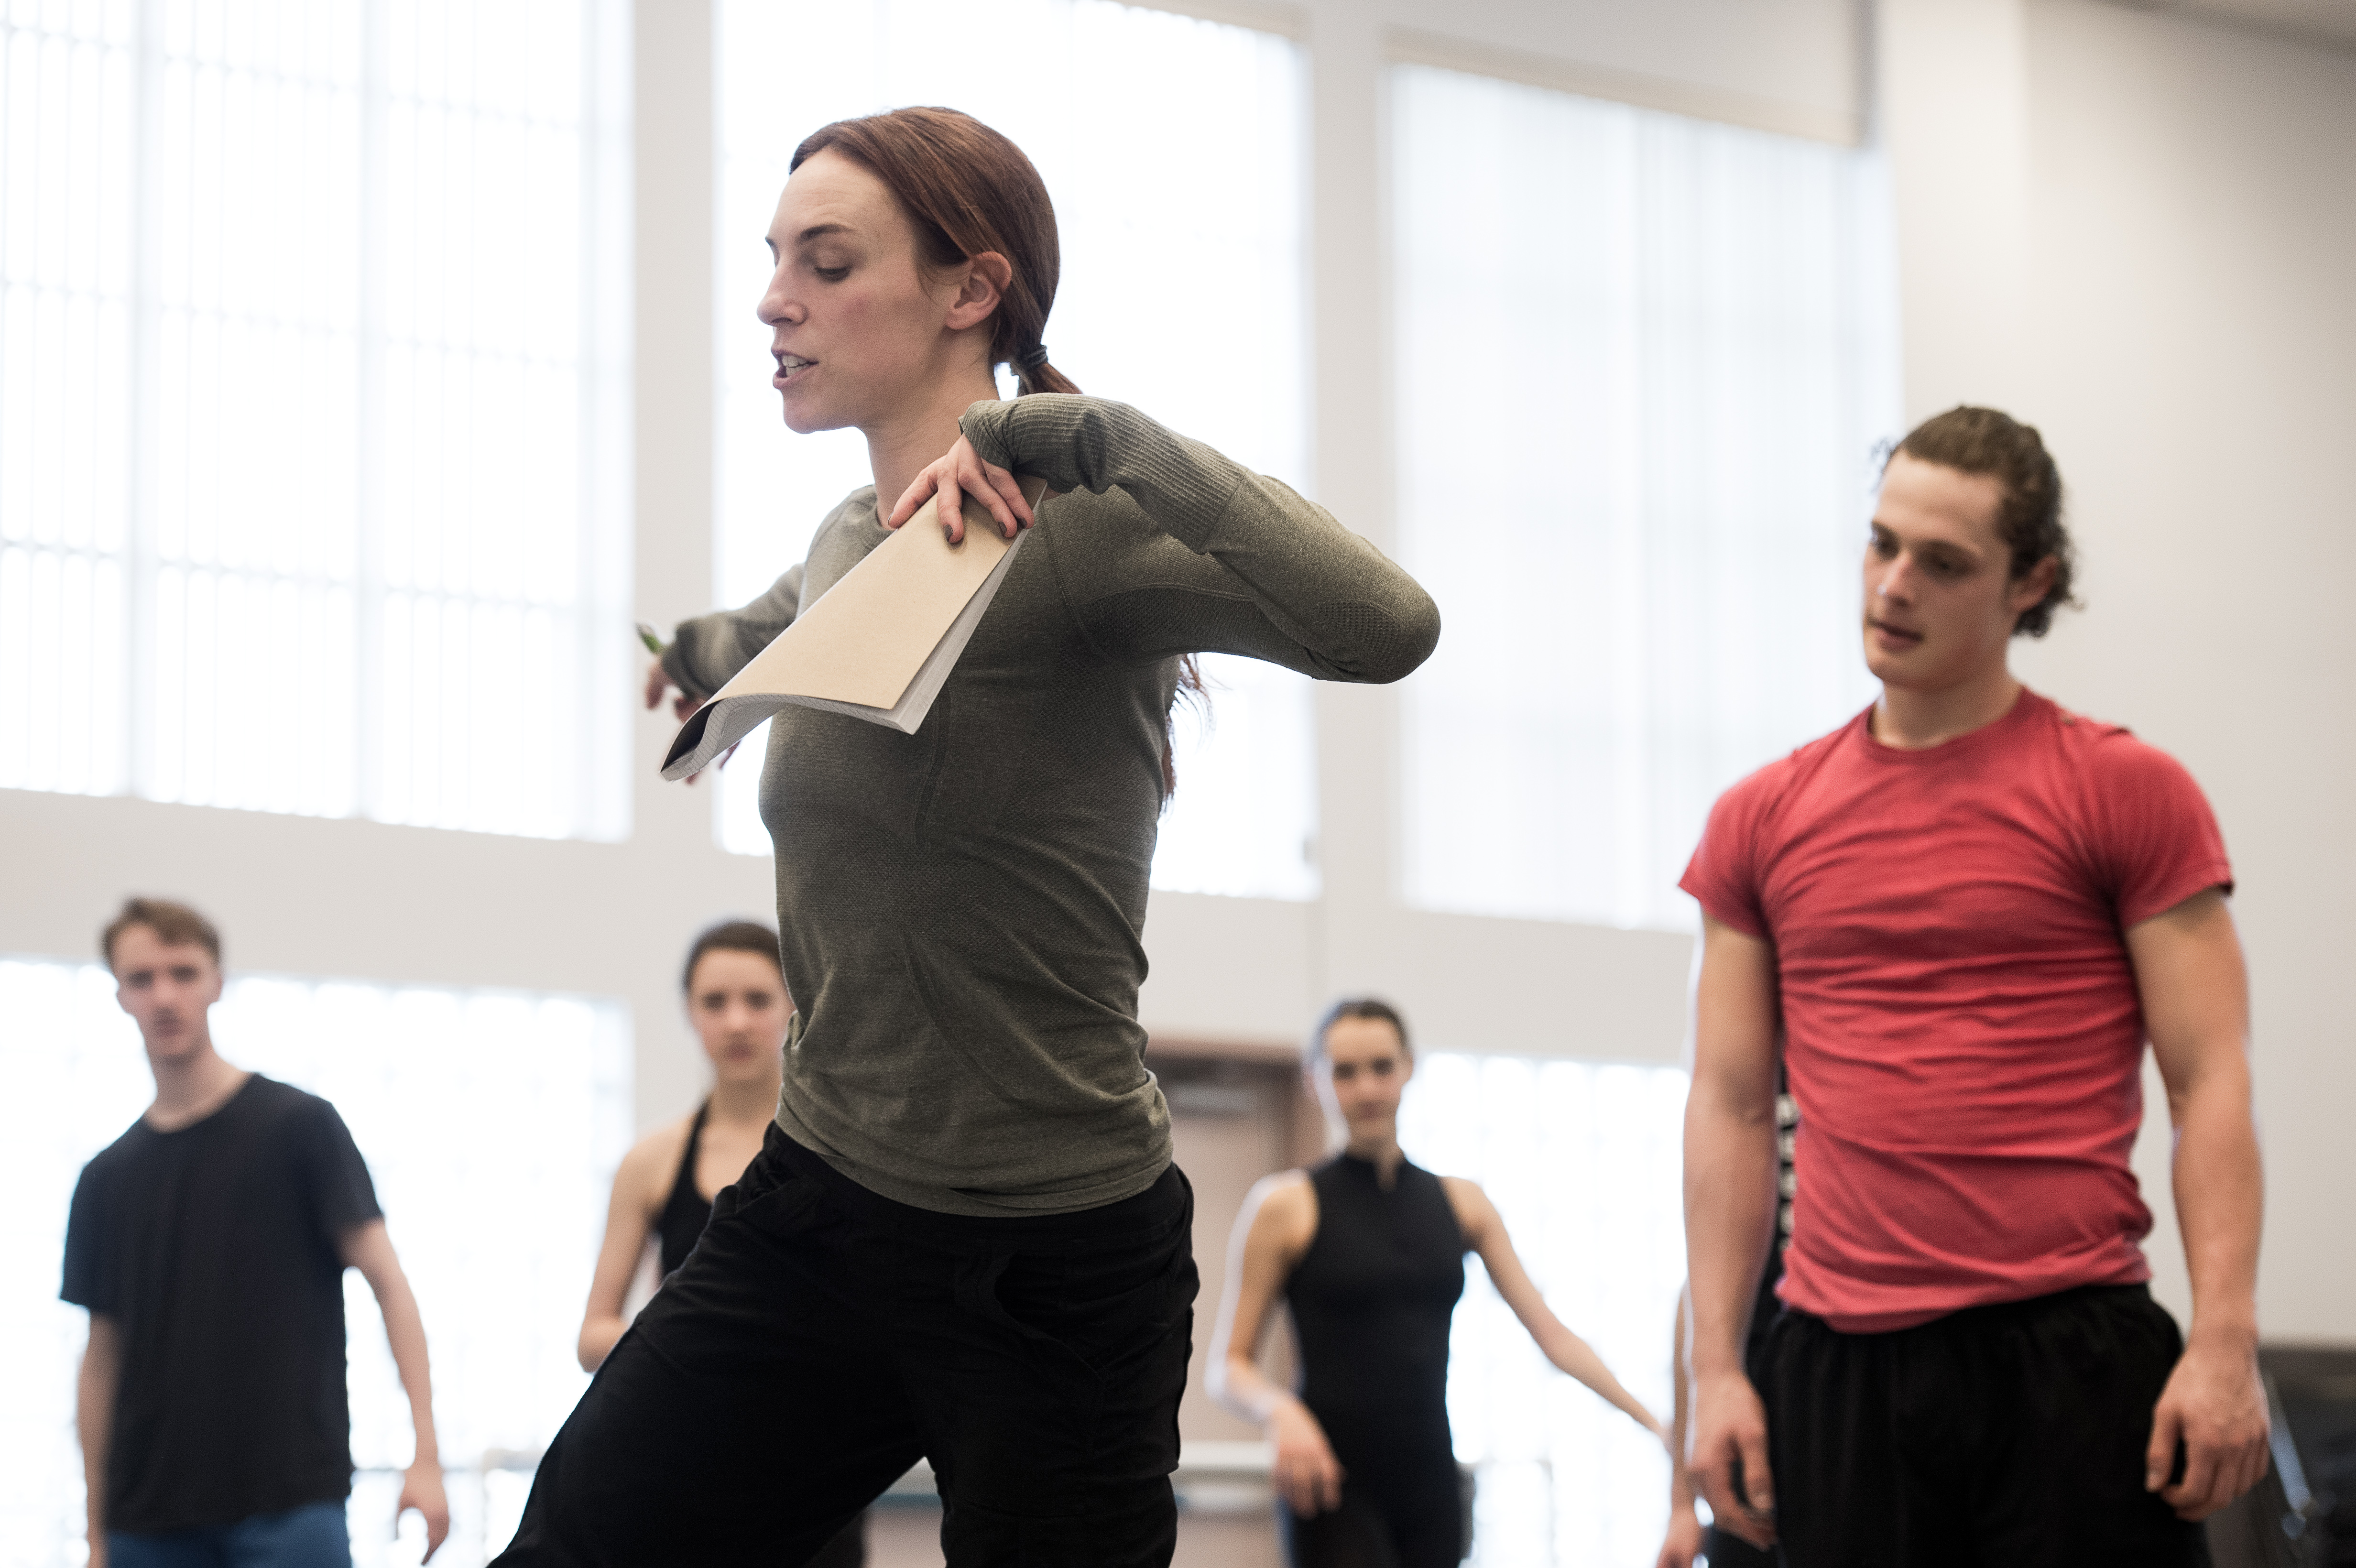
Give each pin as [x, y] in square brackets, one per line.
[736, 1000]
[1367, 1251]
[663, 1191]
[680, 1222]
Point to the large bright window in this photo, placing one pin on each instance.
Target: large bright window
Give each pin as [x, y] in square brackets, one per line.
[1582, 1162]
[1163, 140]
[1644, 363]
[473, 1108]
[313, 359]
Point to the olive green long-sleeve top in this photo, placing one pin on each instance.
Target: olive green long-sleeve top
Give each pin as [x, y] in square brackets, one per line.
[963, 909]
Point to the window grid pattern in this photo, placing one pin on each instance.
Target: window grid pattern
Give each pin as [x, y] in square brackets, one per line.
[316, 371]
[471, 1107]
[1583, 1161]
[1164, 136]
[1689, 329]
[67, 112]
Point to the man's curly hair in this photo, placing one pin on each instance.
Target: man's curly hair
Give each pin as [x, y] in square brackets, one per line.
[1987, 440]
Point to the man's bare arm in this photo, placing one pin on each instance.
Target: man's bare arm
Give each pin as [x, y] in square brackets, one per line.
[102, 1374]
[369, 1248]
[2195, 990]
[1730, 1177]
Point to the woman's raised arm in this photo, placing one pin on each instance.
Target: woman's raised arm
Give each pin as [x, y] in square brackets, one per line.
[1198, 554]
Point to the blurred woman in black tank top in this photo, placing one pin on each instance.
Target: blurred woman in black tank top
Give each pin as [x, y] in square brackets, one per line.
[687, 1211]
[1367, 1251]
[663, 1189]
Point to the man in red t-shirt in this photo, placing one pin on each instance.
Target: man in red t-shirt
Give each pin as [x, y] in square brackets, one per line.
[1962, 914]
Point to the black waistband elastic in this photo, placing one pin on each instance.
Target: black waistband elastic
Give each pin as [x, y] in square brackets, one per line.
[1140, 1218]
[2003, 1314]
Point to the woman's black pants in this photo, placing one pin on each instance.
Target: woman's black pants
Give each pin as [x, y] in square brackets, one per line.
[820, 1338]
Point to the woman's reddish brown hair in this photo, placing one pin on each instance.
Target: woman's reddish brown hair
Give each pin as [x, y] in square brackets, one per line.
[968, 189]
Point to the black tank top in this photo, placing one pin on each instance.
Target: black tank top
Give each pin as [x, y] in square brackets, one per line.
[686, 1212]
[1372, 1300]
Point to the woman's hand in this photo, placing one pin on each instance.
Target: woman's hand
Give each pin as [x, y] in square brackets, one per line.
[1683, 1542]
[683, 703]
[1307, 1476]
[683, 706]
[950, 478]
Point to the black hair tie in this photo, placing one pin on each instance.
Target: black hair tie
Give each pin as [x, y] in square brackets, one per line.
[1031, 358]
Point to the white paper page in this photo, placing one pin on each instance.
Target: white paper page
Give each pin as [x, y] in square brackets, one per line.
[831, 637]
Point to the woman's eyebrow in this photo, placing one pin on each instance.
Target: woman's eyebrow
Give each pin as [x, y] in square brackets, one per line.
[815, 231]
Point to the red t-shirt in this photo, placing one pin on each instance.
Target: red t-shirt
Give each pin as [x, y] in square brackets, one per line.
[1961, 1029]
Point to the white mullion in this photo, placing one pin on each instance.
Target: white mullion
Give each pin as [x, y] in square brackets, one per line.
[600, 767]
[140, 563]
[367, 716]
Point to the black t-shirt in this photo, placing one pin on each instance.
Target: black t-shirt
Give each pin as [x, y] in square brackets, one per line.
[214, 1248]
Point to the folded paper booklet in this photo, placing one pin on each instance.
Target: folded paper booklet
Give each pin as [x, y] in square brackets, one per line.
[877, 645]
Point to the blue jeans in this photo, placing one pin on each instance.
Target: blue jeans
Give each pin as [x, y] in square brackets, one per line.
[312, 1536]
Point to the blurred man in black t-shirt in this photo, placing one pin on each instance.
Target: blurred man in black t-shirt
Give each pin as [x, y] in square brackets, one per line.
[210, 1242]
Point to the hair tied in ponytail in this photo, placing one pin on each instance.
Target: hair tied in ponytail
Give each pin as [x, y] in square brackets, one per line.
[967, 190]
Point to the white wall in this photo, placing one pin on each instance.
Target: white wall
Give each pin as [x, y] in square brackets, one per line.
[2135, 230]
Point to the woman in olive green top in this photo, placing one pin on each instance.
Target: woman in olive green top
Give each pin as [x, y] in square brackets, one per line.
[964, 1240]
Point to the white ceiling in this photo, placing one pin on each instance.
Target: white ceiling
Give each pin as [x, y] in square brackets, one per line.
[2329, 22]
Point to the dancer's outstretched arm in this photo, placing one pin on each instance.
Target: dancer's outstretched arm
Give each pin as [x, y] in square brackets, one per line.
[1683, 1541]
[1485, 1233]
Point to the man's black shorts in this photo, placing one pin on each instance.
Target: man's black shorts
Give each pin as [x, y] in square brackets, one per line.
[2004, 1436]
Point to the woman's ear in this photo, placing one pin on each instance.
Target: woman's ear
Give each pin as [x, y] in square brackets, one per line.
[988, 276]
